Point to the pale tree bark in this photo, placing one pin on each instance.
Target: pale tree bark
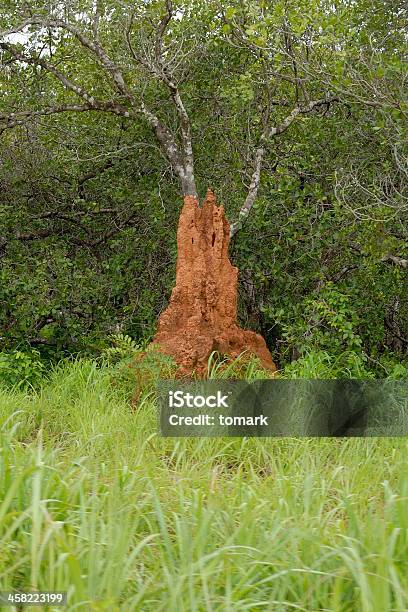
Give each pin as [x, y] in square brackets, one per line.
[268, 133]
[398, 261]
[159, 68]
[187, 173]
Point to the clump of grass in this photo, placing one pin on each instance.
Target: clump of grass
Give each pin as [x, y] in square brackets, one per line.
[320, 364]
[245, 367]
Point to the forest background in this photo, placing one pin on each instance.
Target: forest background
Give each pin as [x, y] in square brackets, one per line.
[293, 112]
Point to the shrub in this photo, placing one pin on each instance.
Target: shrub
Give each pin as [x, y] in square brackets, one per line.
[21, 368]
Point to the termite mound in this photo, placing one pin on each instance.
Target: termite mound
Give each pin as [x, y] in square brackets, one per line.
[201, 316]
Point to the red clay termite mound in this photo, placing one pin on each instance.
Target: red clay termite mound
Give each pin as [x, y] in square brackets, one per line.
[202, 313]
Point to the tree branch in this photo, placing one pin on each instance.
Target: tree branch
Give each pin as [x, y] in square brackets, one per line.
[162, 71]
[34, 236]
[93, 46]
[21, 117]
[182, 162]
[166, 139]
[399, 261]
[92, 102]
[269, 132]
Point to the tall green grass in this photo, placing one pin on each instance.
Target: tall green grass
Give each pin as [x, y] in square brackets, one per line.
[94, 502]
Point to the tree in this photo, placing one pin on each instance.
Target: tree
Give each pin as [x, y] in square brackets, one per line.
[160, 56]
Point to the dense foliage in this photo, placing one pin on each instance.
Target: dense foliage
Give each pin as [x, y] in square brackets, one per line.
[90, 201]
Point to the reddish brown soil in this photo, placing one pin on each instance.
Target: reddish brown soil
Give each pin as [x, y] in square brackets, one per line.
[202, 313]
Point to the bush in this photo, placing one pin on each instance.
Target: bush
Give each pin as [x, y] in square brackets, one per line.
[21, 368]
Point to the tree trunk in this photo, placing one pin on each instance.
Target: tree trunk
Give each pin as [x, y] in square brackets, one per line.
[202, 313]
